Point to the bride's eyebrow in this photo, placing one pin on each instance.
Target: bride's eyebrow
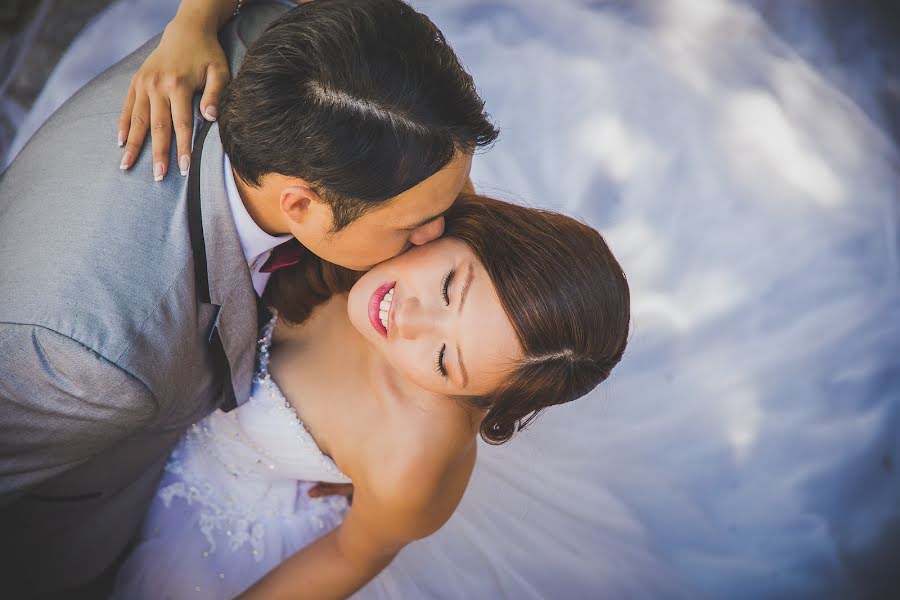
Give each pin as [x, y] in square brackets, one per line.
[462, 300]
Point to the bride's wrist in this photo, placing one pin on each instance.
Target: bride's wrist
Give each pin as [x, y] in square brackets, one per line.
[205, 17]
[184, 25]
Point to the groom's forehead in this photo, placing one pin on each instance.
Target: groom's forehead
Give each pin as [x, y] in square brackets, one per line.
[430, 199]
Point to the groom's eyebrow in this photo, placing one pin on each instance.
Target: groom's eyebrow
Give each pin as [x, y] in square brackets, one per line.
[425, 221]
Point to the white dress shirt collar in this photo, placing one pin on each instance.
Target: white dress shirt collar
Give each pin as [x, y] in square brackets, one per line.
[256, 243]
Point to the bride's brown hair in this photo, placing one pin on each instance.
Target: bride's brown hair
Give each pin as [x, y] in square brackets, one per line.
[558, 282]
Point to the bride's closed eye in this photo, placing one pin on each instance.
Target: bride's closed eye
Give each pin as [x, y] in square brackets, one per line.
[439, 361]
[445, 294]
[445, 286]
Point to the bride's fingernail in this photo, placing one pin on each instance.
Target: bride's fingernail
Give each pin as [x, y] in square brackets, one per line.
[210, 113]
[126, 161]
[120, 139]
[158, 171]
[184, 164]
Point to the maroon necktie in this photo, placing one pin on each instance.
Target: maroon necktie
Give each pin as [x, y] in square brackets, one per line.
[284, 255]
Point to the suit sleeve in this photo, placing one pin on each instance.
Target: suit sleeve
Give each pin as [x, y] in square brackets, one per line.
[60, 404]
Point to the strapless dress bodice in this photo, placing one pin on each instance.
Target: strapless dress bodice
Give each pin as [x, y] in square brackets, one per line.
[244, 468]
[264, 439]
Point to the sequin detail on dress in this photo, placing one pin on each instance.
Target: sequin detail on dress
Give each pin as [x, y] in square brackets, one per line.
[238, 484]
[279, 404]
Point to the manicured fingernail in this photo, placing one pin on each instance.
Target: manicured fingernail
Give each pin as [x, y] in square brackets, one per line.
[210, 113]
[120, 139]
[126, 161]
[158, 171]
[184, 164]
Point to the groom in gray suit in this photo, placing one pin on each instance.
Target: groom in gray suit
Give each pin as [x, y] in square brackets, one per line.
[128, 308]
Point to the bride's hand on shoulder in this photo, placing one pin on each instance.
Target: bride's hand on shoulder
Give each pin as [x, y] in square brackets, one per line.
[188, 58]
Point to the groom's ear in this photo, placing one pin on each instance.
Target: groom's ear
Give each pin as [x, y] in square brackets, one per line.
[298, 202]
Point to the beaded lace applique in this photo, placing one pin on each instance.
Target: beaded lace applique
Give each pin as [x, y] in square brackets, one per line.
[278, 403]
[219, 512]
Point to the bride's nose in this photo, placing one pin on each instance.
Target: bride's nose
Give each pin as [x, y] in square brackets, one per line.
[412, 318]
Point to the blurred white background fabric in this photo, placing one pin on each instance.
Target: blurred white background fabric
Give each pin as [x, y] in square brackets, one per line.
[748, 445]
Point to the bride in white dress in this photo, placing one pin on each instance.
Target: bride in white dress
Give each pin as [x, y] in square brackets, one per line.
[388, 386]
[747, 445]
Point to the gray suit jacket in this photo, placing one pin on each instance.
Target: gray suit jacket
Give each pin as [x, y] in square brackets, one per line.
[104, 346]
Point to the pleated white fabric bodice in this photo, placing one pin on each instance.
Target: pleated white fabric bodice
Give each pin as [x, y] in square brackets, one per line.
[243, 467]
[263, 440]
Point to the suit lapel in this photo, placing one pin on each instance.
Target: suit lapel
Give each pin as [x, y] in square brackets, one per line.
[230, 286]
[226, 272]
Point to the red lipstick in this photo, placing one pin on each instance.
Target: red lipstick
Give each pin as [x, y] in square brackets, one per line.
[375, 305]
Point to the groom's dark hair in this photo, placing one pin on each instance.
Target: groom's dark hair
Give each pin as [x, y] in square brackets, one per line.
[362, 98]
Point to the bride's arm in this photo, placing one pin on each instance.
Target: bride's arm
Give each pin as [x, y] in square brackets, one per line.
[188, 58]
[376, 528]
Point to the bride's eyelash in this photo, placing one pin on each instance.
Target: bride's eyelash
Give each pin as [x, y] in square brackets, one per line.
[445, 294]
[445, 286]
[439, 362]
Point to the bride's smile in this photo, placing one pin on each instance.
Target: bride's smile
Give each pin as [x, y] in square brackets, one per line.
[380, 306]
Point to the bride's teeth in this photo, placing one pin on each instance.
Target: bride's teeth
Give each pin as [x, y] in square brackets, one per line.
[385, 307]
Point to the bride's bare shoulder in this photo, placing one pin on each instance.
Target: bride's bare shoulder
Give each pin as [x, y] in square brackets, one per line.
[423, 462]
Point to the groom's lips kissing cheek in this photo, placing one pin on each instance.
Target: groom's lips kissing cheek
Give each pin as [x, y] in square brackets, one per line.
[379, 307]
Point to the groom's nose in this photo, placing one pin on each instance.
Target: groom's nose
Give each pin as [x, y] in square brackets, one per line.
[428, 232]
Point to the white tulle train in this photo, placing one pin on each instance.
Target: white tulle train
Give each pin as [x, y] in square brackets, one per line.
[747, 445]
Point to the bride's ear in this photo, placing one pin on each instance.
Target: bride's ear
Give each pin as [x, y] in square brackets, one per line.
[298, 202]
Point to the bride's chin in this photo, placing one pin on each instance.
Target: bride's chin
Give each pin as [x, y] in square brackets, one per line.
[358, 310]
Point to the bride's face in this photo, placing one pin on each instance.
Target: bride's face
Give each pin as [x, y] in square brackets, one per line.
[434, 314]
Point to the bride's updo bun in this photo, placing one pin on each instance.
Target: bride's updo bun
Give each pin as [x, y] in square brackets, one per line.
[563, 291]
[558, 282]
